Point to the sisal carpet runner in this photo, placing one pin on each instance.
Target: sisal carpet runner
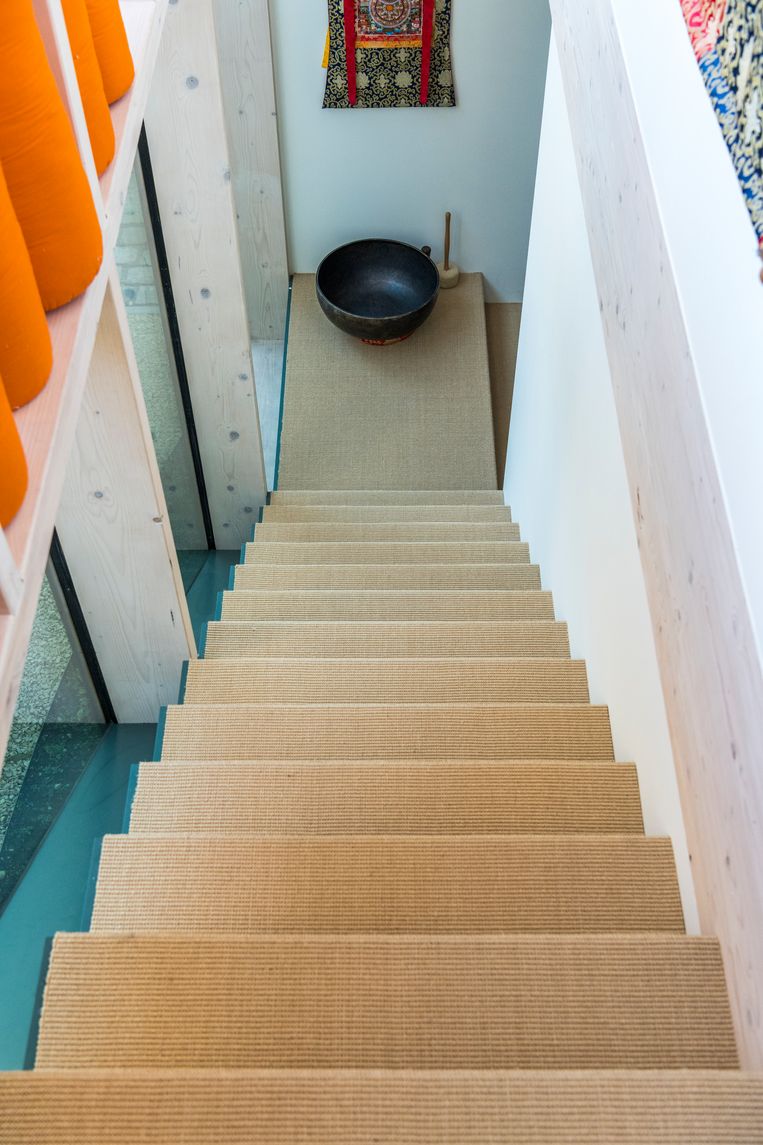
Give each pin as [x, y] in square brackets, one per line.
[386, 881]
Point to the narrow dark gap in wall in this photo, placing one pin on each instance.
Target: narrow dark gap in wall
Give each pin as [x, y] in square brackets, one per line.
[79, 623]
[282, 396]
[503, 321]
[174, 328]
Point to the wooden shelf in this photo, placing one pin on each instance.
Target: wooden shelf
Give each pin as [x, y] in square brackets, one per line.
[144, 20]
[47, 425]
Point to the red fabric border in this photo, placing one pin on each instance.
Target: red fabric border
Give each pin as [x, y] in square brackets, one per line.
[427, 31]
[349, 41]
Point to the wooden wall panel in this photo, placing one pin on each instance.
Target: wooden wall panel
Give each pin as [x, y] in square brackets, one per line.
[116, 536]
[11, 587]
[709, 662]
[246, 66]
[185, 123]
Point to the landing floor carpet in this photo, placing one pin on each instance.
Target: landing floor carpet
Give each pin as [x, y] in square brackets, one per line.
[416, 415]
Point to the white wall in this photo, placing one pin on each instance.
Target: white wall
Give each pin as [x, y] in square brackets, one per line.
[567, 484]
[394, 173]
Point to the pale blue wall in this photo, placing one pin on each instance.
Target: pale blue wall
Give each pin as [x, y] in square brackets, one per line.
[394, 173]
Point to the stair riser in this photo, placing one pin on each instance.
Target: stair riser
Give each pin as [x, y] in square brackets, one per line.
[387, 552]
[387, 497]
[232, 640]
[385, 681]
[373, 606]
[393, 799]
[371, 885]
[412, 532]
[386, 514]
[405, 732]
[443, 577]
[376, 1003]
[355, 1107]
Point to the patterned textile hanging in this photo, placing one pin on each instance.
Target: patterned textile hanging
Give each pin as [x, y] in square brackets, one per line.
[727, 37]
[389, 53]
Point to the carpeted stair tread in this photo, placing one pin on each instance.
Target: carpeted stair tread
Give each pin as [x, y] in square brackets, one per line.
[230, 640]
[385, 1002]
[359, 1107]
[367, 514]
[386, 798]
[434, 578]
[385, 882]
[390, 681]
[370, 605]
[387, 497]
[387, 731]
[386, 552]
[392, 532]
[414, 884]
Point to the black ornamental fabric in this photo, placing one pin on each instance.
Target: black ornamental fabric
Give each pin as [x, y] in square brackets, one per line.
[399, 54]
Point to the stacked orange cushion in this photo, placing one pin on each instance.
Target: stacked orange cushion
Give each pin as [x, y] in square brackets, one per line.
[111, 47]
[97, 114]
[26, 356]
[13, 470]
[47, 184]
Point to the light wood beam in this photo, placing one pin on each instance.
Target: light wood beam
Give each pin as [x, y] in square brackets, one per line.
[185, 123]
[710, 668]
[11, 587]
[115, 532]
[246, 64]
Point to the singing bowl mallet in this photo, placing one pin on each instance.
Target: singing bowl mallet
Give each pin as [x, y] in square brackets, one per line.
[449, 272]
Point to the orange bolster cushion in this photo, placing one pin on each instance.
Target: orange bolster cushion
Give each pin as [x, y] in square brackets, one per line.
[13, 471]
[97, 114]
[26, 355]
[48, 186]
[111, 47]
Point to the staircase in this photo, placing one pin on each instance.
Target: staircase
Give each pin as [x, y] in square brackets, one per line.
[387, 882]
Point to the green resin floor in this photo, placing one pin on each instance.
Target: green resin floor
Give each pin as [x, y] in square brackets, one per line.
[51, 894]
[56, 704]
[74, 791]
[203, 581]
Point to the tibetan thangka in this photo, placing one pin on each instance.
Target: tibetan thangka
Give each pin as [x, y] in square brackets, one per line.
[727, 37]
[389, 53]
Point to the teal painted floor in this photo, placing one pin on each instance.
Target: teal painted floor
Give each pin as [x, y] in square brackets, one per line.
[210, 579]
[52, 892]
[57, 725]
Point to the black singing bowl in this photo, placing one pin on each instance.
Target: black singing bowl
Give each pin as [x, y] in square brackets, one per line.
[377, 289]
